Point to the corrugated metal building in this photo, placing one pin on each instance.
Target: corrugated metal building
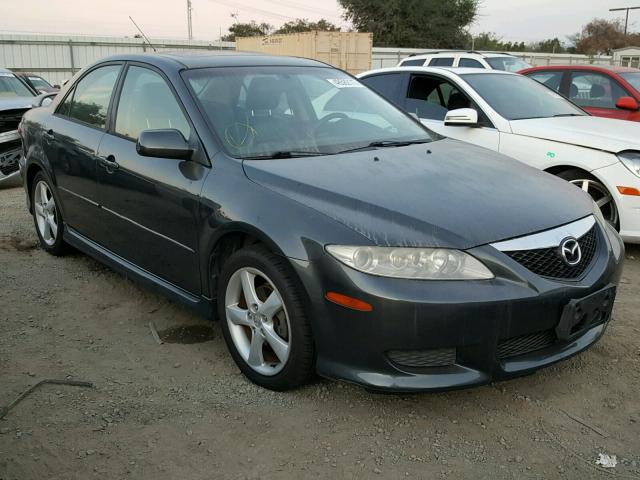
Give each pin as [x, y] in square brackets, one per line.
[57, 58]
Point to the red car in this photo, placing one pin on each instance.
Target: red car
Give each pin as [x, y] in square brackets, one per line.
[603, 91]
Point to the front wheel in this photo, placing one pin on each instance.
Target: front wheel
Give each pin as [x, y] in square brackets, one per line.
[264, 321]
[597, 191]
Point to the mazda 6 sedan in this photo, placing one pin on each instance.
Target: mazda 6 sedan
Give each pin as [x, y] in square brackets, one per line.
[325, 228]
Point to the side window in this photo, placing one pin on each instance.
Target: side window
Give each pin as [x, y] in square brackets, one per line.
[418, 62]
[147, 103]
[89, 100]
[589, 89]
[441, 62]
[470, 62]
[553, 80]
[431, 98]
[387, 85]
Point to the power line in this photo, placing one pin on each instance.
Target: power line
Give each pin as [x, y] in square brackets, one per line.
[253, 9]
[626, 22]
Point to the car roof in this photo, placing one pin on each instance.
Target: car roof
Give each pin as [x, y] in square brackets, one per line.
[5, 70]
[451, 71]
[600, 68]
[208, 58]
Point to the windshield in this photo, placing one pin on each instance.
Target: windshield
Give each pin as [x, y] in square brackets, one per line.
[508, 64]
[516, 97]
[10, 86]
[297, 111]
[39, 82]
[633, 78]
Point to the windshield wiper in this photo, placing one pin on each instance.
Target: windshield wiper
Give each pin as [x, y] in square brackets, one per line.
[284, 154]
[385, 144]
[569, 115]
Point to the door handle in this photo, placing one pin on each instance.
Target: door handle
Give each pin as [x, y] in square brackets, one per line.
[109, 163]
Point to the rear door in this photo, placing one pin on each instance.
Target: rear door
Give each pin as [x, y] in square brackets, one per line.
[153, 203]
[598, 94]
[430, 97]
[71, 140]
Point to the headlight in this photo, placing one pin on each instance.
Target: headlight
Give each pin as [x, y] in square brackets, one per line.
[631, 160]
[412, 263]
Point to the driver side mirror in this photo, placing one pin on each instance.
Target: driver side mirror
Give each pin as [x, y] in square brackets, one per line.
[627, 103]
[164, 143]
[46, 99]
[461, 117]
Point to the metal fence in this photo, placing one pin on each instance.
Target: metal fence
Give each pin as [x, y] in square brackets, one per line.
[57, 58]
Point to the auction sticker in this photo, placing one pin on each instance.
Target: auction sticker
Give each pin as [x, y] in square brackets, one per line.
[345, 82]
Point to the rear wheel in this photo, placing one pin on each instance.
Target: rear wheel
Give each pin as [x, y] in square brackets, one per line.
[47, 217]
[597, 191]
[264, 319]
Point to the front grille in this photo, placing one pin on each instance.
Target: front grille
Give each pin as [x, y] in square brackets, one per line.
[512, 347]
[440, 357]
[9, 155]
[547, 262]
[9, 119]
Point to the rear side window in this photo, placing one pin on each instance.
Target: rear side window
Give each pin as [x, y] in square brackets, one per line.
[441, 62]
[419, 62]
[387, 85]
[89, 100]
[470, 63]
[147, 103]
[553, 80]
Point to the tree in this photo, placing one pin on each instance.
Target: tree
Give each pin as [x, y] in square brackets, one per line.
[413, 23]
[251, 29]
[601, 36]
[304, 25]
[550, 45]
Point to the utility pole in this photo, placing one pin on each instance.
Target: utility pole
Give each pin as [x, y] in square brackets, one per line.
[626, 22]
[189, 25]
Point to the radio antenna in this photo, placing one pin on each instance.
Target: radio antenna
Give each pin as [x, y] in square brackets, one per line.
[142, 33]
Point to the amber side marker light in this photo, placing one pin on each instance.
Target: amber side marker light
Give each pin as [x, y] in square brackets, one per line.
[629, 191]
[349, 302]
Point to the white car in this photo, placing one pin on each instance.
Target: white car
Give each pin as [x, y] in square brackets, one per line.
[523, 119]
[459, 58]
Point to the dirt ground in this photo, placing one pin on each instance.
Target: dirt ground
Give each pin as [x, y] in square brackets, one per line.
[183, 411]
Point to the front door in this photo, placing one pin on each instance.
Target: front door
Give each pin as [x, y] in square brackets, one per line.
[153, 203]
[598, 94]
[431, 97]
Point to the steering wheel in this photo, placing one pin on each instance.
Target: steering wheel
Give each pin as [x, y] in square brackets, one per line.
[332, 116]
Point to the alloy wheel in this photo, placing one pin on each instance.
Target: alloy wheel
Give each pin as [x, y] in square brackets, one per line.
[46, 213]
[601, 196]
[258, 321]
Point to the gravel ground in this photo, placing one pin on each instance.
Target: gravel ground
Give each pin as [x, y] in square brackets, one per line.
[182, 410]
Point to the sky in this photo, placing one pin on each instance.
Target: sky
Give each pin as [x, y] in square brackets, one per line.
[512, 20]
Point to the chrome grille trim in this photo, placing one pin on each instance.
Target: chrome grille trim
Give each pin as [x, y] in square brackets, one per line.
[548, 238]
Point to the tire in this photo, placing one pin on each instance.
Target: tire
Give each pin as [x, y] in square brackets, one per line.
[598, 192]
[46, 215]
[278, 308]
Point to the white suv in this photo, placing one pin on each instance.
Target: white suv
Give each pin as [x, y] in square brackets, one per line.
[457, 58]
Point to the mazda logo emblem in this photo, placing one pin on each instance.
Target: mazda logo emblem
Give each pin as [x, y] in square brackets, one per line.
[570, 251]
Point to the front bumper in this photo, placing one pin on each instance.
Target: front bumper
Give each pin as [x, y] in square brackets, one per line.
[628, 205]
[482, 322]
[10, 153]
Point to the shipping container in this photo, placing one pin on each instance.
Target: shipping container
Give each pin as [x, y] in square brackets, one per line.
[350, 51]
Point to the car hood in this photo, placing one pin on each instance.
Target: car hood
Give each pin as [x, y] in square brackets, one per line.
[456, 196]
[607, 134]
[15, 103]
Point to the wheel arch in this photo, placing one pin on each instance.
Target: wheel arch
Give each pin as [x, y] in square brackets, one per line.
[229, 239]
